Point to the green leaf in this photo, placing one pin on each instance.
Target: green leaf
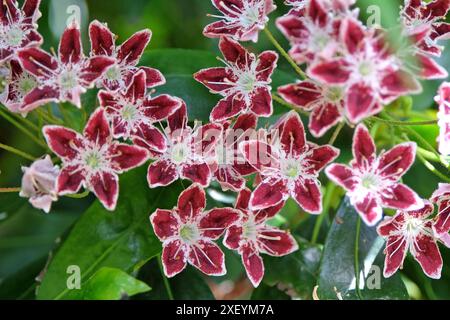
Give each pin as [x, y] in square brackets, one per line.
[179, 65]
[109, 284]
[337, 270]
[121, 239]
[297, 272]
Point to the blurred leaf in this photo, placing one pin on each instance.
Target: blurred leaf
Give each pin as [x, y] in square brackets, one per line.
[337, 270]
[297, 271]
[120, 239]
[266, 292]
[179, 65]
[188, 285]
[109, 284]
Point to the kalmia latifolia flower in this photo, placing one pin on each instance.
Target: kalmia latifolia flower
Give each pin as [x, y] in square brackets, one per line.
[125, 56]
[288, 167]
[443, 99]
[92, 160]
[411, 231]
[326, 103]
[132, 112]
[370, 75]
[251, 236]
[39, 183]
[18, 85]
[188, 233]
[441, 225]
[231, 164]
[18, 28]
[427, 18]
[371, 182]
[187, 153]
[244, 82]
[241, 19]
[313, 32]
[63, 78]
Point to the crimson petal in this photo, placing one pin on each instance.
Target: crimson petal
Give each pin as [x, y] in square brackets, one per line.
[97, 129]
[164, 223]
[161, 173]
[69, 180]
[207, 257]
[131, 50]
[254, 265]
[213, 223]
[173, 258]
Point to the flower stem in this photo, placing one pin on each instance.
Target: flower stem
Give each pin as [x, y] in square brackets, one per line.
[336, 133]
[286, 104]
[17, 152]
[326, 207]
[433, 169]
[9, 190]
[404, 123]
[284, 54]
[165, 280]
[23, 129]
[356, 256]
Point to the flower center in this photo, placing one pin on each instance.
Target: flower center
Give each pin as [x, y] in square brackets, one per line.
[129, 112]
[290, 168]
[189, 233]
[334, 94]
[113, 73]
[179, 153]
[14, 36]
[68, 80]
[93, 160]
[365, 68]
[247, 81]
[370, 181]
[250, 16]
[249, 230]
[414, 226]
[25, 84]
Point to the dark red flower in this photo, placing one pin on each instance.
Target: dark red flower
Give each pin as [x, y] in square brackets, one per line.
[92, 160]
[188, 153]
[188, 233]
[288, 167]
[126, 57]
[441, 224]
[244, 82]
[251, 236]
[241, 19]
[18, 28]
[132, 112]
[63, 78]
[411, 231]
[371, 182]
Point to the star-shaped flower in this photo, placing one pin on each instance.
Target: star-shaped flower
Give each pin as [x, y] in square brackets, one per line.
[443, 99]
[442, 222]
[125, 56]
[19, 84]
[244, 82]
[188, 233]
[370, 75]
[288, 167]
[251, 235]
[132, 112]
[63, 78]
[241, 20]
[326, 103]
[231, 165]
[39, 183]
[188, 153]
[92, 160]
[371, 182]
[18, 28]
[411, 231]
[427, 18]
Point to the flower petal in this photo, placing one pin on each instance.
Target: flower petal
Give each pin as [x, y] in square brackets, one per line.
[38, 62]
[38, 97]
[69, 180]
[395, 252]
[105, 186]
[303, 94]
[267, 62]
[276, 242]
[400, 83]
[94, 69]
[341, 175]
[131, 50]
[154, 77]
[227, 108]
[360, 102]
[369, 209]
[353, 35]
[233, 236]
[243, 199]
[330, 72]
[161, 107]
[397, 161]
[426, 252]
[215, 79]
[430, 69]
[234, 52]
[191, 202]
[64, 142]
[261, 102]
[125, 157]
[97, 129]
[197, 173]
[319, 157]
[390, 224]
[293, 138]
[442, 222]
[268, 194]
[324, 117]
[102, 39]
[161, 173]
[164, 223]
[147, 136]
[259, 155]
[207, 257]
[178, 120]
[214, 222]
[308, 195]
[173, 258]
[137, 88]
[229, 180]
[364, 150]
[70, 46]
[401, 197]
[253, 264]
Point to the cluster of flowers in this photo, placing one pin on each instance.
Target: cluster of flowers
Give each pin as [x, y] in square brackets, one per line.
[353, 72]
